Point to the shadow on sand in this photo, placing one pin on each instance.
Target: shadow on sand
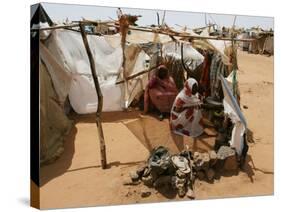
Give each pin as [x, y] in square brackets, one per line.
[111, 117]
[109, 165]
[150, 132]
[62, 165]
[248, 168]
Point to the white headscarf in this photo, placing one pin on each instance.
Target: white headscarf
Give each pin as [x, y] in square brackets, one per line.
[189, 99]
[189, 83]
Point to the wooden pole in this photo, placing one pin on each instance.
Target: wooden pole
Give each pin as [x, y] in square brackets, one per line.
[182, 35]
[73, 24]
[56, 27]
[158, 19]
[234, 68]
[136, 75]
[99, 94]
[163, 19]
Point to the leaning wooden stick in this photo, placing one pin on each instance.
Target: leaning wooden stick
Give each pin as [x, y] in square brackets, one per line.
[152, 30]
[99, 94]
[136, 75]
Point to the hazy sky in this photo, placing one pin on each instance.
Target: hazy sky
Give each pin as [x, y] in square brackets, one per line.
[59, 12]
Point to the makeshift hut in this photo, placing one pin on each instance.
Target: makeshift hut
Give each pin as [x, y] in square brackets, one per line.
[99, 72]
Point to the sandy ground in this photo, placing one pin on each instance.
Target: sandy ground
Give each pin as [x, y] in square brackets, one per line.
[76, 179]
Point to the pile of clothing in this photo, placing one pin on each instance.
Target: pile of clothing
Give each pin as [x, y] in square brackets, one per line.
[179, 171]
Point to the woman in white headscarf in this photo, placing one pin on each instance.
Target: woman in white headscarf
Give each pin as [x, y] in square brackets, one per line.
[186, 116]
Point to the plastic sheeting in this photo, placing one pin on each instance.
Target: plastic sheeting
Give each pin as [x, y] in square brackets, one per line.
[68, 49]
[231, 108]
[83, 96]
[192, 57]
[113, 40]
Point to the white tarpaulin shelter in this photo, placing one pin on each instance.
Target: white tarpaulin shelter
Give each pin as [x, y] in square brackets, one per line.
[66, 49]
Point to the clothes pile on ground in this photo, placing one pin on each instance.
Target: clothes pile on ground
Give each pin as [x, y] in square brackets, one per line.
[180, 171]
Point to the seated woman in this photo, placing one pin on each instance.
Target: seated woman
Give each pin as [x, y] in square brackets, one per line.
[160, 92]
[186, 116]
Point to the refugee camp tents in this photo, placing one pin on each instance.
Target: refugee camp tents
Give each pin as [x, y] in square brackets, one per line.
[263, 43]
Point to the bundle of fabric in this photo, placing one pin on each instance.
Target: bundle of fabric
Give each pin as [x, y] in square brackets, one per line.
[205, 74]
[172, 170]
[178, 172]
[159, 162]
